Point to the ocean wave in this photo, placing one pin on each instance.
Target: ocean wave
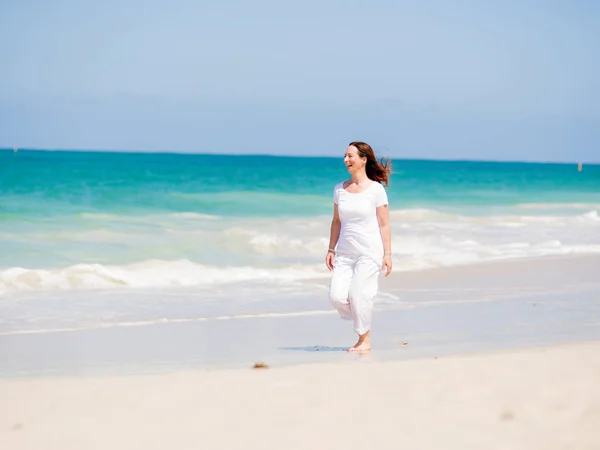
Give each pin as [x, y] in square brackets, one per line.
[590, 215]
[147, 217]
[153, 273]
[407, 215]
[411, 254]
[189, 249]
[554, 206]
[431, 215]
[194, 216]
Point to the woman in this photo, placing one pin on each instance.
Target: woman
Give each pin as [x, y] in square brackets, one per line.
[360, 239]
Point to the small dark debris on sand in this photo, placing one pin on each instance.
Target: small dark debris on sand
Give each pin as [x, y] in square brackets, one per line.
[260, 365]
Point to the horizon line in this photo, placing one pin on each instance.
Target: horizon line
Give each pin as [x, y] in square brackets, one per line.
[275, 155]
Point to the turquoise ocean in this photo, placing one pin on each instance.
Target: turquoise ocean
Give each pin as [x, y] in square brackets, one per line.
[95, 239]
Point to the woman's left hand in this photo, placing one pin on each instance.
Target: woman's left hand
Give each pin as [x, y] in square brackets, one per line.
[387, 265]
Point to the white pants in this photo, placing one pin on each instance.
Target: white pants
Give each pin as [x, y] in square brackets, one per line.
[352, 288]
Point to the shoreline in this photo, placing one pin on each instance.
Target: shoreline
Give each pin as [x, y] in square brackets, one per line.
[449, 311]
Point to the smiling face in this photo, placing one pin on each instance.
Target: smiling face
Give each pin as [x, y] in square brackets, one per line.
[354, 162]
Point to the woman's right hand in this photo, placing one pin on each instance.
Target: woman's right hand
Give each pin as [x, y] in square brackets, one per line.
[329, 260]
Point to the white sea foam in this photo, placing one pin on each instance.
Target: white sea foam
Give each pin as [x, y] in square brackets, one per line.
[148, 217]
[555, 206]
[188, 249]
[194, 216]
[153, 273]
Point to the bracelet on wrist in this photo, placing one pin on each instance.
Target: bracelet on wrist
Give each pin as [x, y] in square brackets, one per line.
[332, 250]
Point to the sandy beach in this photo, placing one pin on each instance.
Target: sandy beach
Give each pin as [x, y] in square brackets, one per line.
[497, 356]
[546, 398]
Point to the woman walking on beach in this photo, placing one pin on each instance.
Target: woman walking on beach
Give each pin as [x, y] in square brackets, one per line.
[360, 239]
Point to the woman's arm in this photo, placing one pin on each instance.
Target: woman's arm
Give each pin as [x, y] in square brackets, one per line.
[334, 236]
[383, 217]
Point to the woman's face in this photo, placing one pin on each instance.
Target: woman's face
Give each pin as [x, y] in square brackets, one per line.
[353, 161]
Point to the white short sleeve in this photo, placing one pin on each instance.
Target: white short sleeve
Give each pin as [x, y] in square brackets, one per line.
[381, 196]
[336, 194]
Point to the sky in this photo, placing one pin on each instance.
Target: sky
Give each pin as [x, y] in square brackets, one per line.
[491, 80]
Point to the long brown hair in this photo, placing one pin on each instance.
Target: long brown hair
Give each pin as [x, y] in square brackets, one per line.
[376, 170]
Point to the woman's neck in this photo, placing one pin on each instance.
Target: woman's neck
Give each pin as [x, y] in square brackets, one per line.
[359, 178]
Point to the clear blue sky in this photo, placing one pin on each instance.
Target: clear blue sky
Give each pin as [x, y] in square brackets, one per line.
[504, 80]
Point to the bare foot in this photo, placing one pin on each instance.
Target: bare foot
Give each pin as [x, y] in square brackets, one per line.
[363, 345]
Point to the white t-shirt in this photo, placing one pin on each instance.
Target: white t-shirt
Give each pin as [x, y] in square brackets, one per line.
[360, 233]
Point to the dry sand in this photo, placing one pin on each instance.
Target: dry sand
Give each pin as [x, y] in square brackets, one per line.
[542, 399]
